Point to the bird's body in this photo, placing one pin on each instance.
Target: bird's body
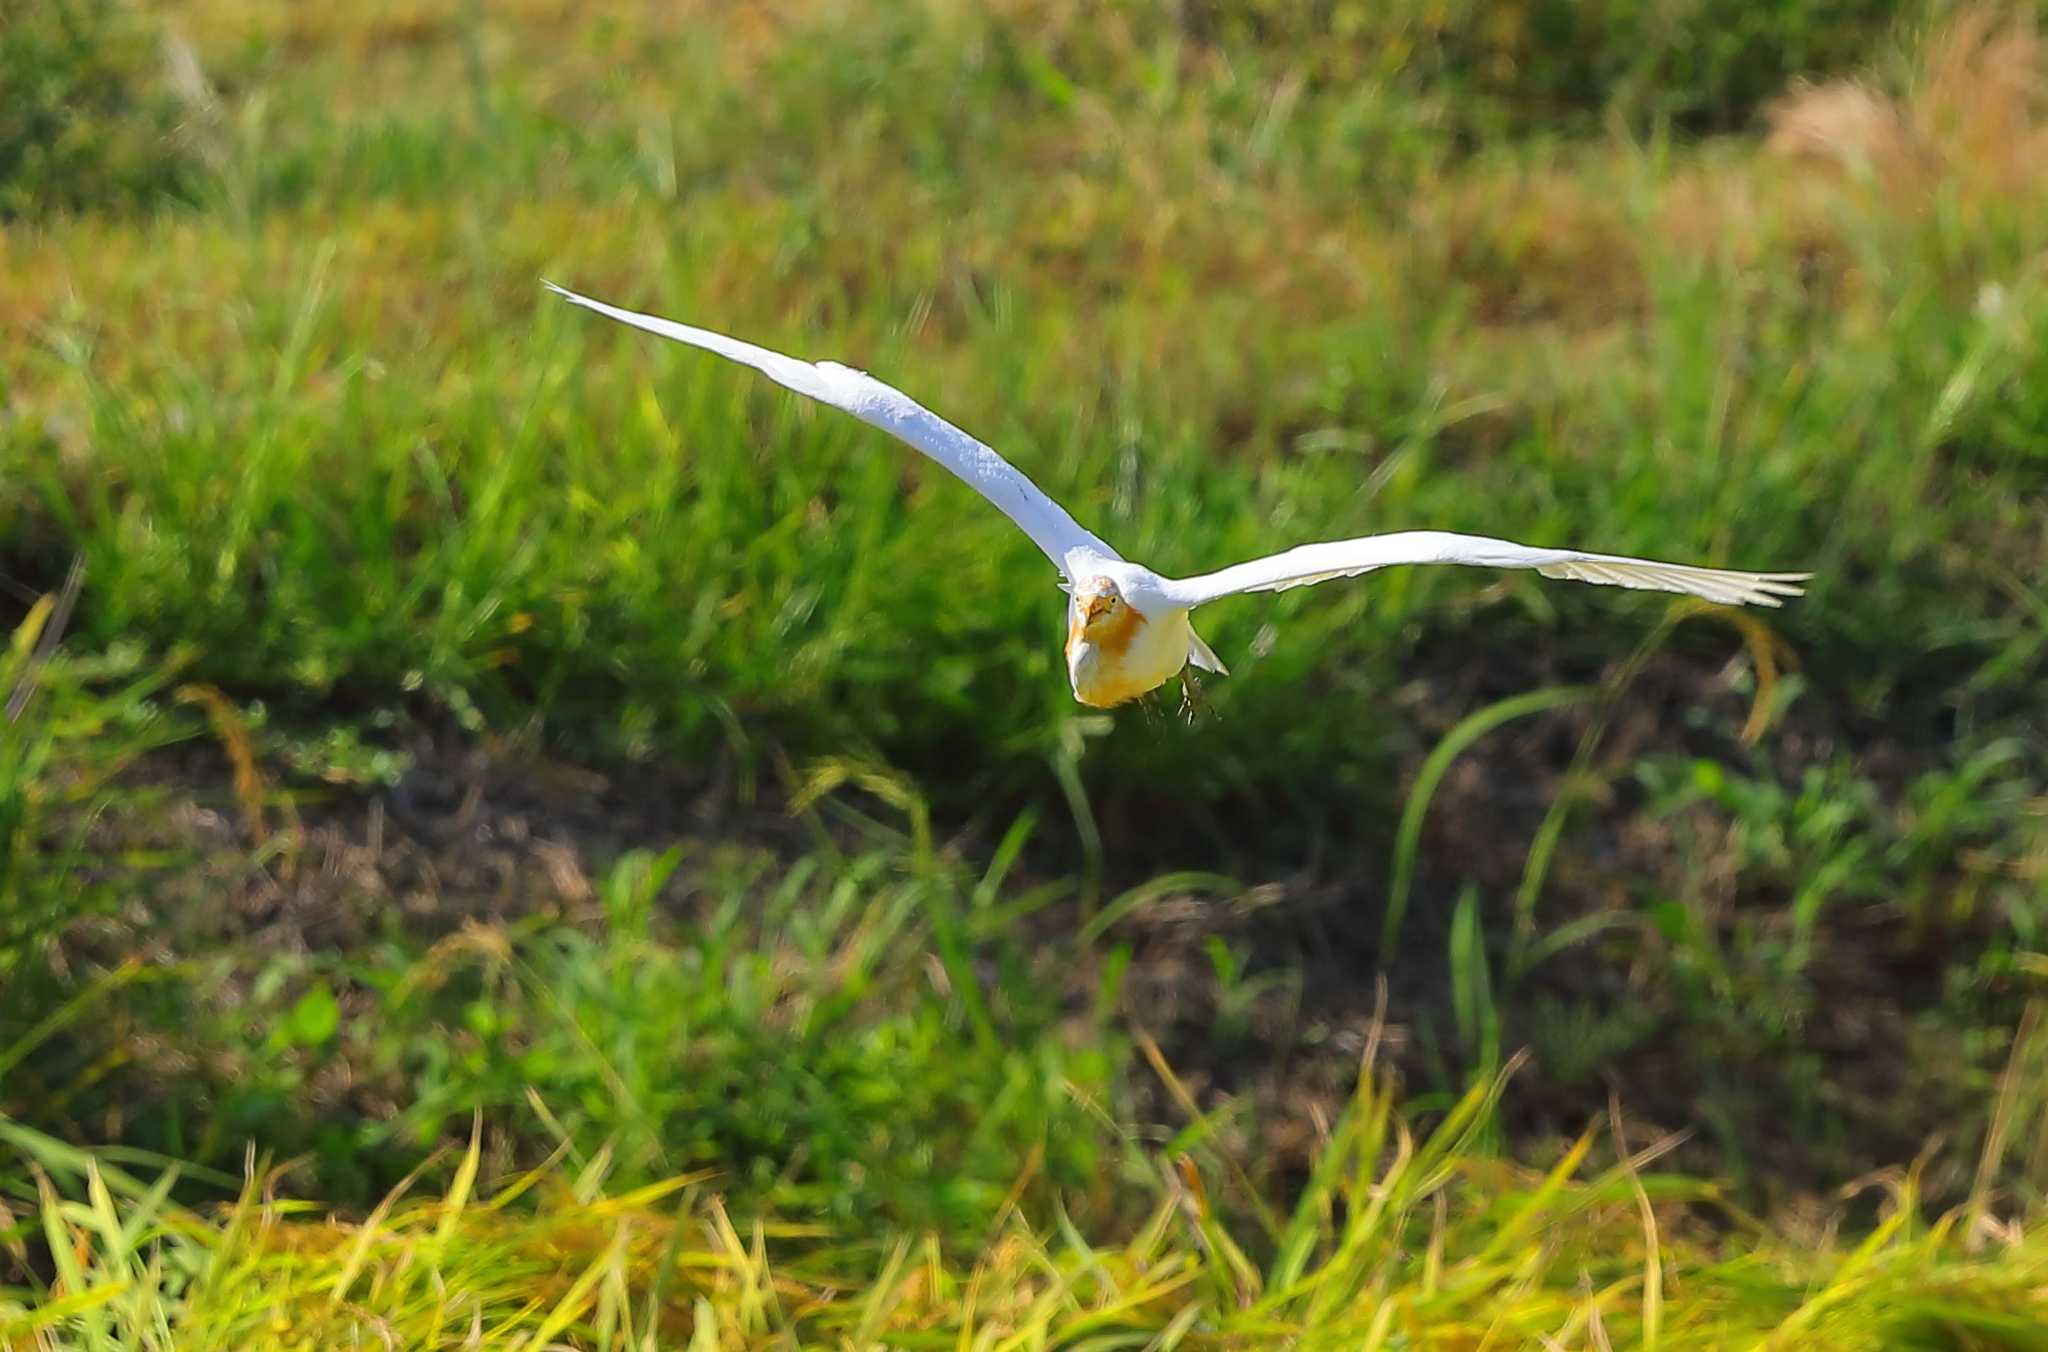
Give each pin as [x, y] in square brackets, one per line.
[1117, 651]
[1128, 628]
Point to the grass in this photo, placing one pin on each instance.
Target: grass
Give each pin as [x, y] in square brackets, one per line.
[470, 712]
[1396, 1240]
[798, 1023]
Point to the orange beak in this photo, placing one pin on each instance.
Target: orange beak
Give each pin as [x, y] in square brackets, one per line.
[1094, 608]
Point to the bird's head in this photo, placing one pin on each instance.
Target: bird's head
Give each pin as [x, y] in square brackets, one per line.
[1102, 615]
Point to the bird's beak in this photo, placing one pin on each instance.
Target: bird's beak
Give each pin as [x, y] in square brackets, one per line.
[1094, 608]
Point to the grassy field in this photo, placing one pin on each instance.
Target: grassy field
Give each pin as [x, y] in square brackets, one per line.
[512, 834]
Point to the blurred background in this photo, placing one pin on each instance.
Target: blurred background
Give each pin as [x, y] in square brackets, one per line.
[468, 705]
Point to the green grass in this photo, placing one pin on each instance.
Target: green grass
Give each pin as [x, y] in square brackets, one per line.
[797, 1022]
[865, 914]
[1397, 1240]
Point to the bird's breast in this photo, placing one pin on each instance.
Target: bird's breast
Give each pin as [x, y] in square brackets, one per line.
[1118, 660]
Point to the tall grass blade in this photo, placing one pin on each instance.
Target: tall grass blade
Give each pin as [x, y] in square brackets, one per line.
[1408, 837]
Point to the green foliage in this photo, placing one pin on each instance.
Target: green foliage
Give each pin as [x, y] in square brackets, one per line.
[783, 1029]
[85, 123]
[1401, 1238]
[1409, 837]
[72, 724]
[1787, 905]
[1217, 276]
[1838, 840]
[1472, 1004]
[660, 557]
[1504, 67]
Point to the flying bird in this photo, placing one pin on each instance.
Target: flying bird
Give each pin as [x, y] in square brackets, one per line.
[1128, 630]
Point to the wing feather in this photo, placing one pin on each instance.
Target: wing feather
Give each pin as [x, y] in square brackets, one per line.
[866, 398]
[1305, 564]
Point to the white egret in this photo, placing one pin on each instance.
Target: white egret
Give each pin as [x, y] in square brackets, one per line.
[1127, 627]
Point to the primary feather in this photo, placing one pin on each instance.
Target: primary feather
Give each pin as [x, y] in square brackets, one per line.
[1347, 558]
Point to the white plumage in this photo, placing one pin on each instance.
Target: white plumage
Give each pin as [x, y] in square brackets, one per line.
[890, 409]
[1120, 612]
[1304, 564]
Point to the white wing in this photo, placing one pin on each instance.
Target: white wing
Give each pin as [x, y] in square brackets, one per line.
[868, 399]
[1348, 558]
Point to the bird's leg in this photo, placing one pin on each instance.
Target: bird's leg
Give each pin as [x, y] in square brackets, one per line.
[1149, 703]
[1192, 705]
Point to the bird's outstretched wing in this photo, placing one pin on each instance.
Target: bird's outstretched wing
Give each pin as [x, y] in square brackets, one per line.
[1348, 558]
[868, 399]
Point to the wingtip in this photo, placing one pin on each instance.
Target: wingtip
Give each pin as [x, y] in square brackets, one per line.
[1773, 589]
